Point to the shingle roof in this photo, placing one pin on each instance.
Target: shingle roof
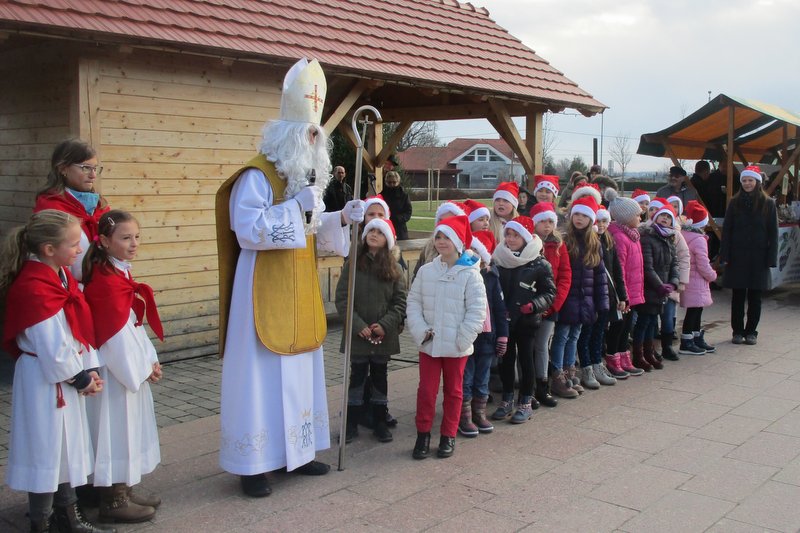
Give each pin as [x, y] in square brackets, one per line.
[437, 42]
[425, 157]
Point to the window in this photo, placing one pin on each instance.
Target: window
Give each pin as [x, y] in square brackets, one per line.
[488, 176]
[482, 155]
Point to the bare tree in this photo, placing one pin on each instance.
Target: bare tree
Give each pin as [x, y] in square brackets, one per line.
[420, 134]
[549, 140]
[621, 153]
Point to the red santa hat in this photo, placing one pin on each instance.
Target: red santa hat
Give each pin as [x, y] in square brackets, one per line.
[753, 171]
[456, 228]
[640, 196]
[697, 214]
[544, 181]
[673, 198]
[385, 226]
[603, 214]
[484, 243]
[507, 190]
[657, 203]
[585, 205]
[451, 208]
[377, 199]
[589, 189]
[476, 210]
[666, 209]
[544, 211]
[522, 225]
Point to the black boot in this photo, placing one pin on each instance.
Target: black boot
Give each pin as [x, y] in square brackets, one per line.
[351, 429]
[666, 349]
[422, 448]
[381, 430]
[447, 445]
[256, 486]
[542, 393]
[44, 524]
[71, 520]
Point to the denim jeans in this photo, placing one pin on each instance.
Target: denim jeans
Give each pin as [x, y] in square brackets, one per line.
[668, 318]
[476, 375]
[645, 327]
[590, 342]
[541, 347]
[564, 347]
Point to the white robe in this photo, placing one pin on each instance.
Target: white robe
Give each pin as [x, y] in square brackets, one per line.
[49, 445]
[274, 410]
[122, 419]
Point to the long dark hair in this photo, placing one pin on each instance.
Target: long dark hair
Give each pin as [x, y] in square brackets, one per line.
[97, 255]
[384, 264]
[68, 152]
[760, 200]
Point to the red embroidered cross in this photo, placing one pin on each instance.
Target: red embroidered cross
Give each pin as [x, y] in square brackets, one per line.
[315, 97]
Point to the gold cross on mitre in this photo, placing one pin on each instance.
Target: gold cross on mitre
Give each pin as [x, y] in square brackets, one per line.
[315, 97]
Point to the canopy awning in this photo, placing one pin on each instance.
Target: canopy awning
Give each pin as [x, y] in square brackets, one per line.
[760, 132]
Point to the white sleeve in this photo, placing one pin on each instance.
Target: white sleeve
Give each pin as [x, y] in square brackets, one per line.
[332, 237]
[55, 348]
[414, 311]
[91, 359]
[258, 224]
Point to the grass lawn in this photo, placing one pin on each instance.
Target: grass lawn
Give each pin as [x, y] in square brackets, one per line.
[422, 217]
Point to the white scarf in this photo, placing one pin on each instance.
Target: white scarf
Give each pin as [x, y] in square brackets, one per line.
[505, 258]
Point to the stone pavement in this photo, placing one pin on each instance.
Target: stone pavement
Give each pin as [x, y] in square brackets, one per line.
[710, 443]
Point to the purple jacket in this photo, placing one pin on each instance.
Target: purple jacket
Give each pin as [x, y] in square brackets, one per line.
[629, 251]
[696, 293]
[588, 294]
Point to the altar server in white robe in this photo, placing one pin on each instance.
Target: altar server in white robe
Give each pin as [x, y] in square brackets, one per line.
[270, 223]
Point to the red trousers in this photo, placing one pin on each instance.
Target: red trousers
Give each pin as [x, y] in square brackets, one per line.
[431, 369]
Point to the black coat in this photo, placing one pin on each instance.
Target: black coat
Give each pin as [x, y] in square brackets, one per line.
[399, 208]
[485, 342]
[660, 267]
[337, 193]
[515, 283]
[749, 244]
[616, 281]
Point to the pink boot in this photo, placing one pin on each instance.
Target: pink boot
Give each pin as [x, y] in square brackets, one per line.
[613, 366]
[627, 365]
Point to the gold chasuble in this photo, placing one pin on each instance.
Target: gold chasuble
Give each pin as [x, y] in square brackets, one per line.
[287, 301]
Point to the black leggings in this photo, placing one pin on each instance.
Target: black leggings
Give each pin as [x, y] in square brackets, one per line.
[692, 320]
[617, 337]
[358, 378]
[519, 347]
[753, 298]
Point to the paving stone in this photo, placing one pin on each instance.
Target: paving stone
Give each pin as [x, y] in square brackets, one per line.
[581, 515]
[726, 525]
[477, 520]
[765, 408]
[729, 394]
[770, 449]
[773, 505]
[679, 511]
[651, 437]
[731, 429]
[639, 486]
[690, 454]
[729, 479]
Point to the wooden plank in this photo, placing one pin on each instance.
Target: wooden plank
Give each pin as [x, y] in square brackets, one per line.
[133, 186]
[188, 340]
[155, 220]
[184, 280]
[169, 250]
[27, 169]
[17, 199]
[34, 119]
[390, 145]
[436, 112]
[185, 310]
[187, 353]
[32, 135]
[342, 108]
[534, 137]
[25, 152]
[132, 154]
[162, 202]
[150, 121]
[191, 324]
[173, 139]
[171, 296]
[176, 236]
[166, 170]
[176, 265]
[230, 111]
[508, 131]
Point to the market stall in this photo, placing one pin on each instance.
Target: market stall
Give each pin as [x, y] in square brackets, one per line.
[732, 130]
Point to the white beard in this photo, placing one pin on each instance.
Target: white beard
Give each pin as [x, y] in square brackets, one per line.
[287, 144]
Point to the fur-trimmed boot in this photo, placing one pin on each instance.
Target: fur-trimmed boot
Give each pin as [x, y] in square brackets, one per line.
[561, 385]
[574, 379]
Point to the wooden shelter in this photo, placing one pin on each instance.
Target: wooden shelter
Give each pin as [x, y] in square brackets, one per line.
[174, 95]
[733, 129]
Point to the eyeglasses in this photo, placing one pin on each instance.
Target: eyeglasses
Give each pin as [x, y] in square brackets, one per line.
[88, 169]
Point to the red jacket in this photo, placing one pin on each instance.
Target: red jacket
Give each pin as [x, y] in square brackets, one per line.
[558, 257]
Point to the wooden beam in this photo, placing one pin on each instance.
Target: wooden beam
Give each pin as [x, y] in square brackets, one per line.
[508, 131]
[347, 131]
[793, 158]
[742, 158]
[437, 112]
[729, 149]
[534, 137]
[678, 142]
[342, 108]
[391, 144]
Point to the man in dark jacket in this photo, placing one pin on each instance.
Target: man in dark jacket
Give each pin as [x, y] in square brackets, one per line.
[337, 193]
[676, 186]
[399, 204]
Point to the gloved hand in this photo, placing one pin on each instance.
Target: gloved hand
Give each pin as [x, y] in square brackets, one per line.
[665, 289]
[526, 309]
[308, 197]
[353, 211]
[501, 346]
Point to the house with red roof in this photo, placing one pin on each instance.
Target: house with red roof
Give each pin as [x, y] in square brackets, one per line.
[462, 164]
[173, 95]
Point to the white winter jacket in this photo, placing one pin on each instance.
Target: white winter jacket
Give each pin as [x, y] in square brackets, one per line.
[449, 301]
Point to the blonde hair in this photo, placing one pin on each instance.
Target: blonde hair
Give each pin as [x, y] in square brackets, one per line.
[96, 255]
[45, 227]
[496, 223]
[589, 243]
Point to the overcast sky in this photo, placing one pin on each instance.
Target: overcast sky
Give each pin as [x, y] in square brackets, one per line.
[651, 61]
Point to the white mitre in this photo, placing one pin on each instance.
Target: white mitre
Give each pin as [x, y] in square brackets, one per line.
[303, 96]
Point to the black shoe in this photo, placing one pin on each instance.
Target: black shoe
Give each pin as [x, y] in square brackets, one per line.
[667, 352]
[737, 338]
[381, 430]
[70, 518]
[700, 342]
[422, 448]
[542, 393]
[313, 468]
[351, 432]
[689, 347]
[256, 486]
[447, 445]
[750, 339]
[351, 428]
[390, 420]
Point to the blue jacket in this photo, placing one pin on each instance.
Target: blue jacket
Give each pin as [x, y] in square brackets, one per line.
[485, 342]
[588, 294]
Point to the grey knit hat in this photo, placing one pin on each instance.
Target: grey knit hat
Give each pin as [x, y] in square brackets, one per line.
[622, 209]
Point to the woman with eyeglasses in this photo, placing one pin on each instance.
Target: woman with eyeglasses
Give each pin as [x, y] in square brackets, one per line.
[70, 188]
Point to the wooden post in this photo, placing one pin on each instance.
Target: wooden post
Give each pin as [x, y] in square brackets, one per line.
[730, 150]
[534, 137]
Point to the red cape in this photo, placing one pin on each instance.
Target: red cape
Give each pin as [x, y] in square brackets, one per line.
[36, 295]
[69, 204]
[111, 296]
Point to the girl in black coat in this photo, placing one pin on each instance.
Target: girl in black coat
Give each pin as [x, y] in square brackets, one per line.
[749, 249]
[660, 279]
[528, 289]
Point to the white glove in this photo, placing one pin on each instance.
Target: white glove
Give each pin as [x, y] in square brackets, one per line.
[353, 211]
[308, 198]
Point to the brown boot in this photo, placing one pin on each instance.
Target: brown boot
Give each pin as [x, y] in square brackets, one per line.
[479, 415]
[141, 497]
[637, 351]
[465, 425]
[648, 352]
[572, 377]
[116, 506]
[70, 519]
[561, 386]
